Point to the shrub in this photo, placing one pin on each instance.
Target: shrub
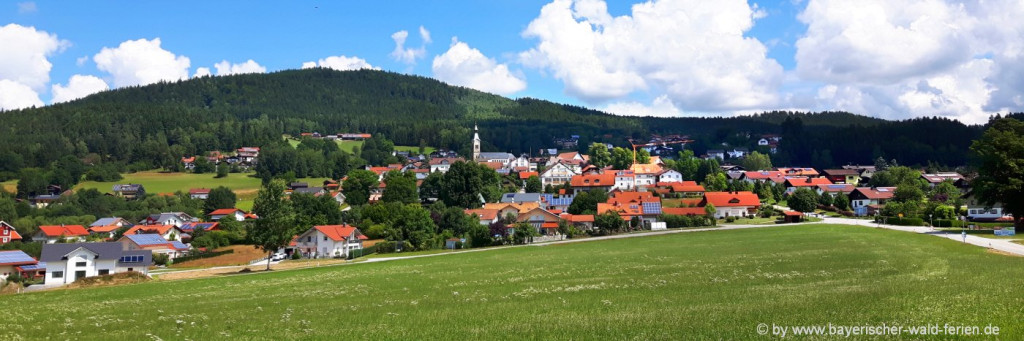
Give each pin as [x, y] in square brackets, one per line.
[903, 221]
[947, 223]
[296, 255]
[730, 219]
[160, 258]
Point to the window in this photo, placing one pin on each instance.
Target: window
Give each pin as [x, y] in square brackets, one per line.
[325, 238]
[104, 272]
[58, 274]
[79, 263]
[131, 269]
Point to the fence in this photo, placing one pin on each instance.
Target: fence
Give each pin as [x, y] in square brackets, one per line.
[363, 252]
[201, 255]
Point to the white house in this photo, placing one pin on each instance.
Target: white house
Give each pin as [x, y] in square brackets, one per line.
[558, 174]
[442, 164]
[199, 193]
[53, 233]
[169, 218]
[716, 153]
[731, 204]
[235, 213]
[670, 175]
[737, 153]
[977, 211]
[625, 180]
[325, 241]
[154, 243]
[66, 263]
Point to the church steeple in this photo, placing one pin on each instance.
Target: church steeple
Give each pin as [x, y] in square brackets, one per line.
[476, 143]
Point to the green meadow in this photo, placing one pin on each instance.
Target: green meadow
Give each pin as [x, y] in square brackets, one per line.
[702, 285]
[349, 146]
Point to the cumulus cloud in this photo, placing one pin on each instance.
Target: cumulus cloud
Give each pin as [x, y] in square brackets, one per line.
[692, 52]
[202, 72]
[78, 86]
[661, 107]
[23, 58]
[916, 58]
[340, 63]
[14, 95]
[225, 68]
[409, 55]
[141, 62]
[466, 66]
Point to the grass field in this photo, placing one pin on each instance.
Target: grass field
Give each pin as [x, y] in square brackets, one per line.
[349, 146]
[10, 186]
[706, 285]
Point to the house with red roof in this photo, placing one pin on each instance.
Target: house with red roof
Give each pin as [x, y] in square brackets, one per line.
[589, 182]
[732, 204]
[106, 227]
[199, 193]
[168, 232]
[486, 216]
[8, 233]
[688, 189]
[581, 221]
[18, 262]
[326, 241]
[633, 204]
[793, 183]
[235, 213]
[799, 171]
[53, 233]
[763, 176]
[869, 200]
[543, 220]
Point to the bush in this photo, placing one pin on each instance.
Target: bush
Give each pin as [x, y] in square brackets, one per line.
[296, 255]
[847, 213]
[730, 219]
[161, 258]
[388, 246]
[676, 221]
[902, 221]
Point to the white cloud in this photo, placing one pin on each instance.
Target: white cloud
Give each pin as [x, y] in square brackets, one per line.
[78, 86]
[916, 58]
[14, 95]
[225, 68]
[661, 107]
[693, 52]
[23, 58]
[409, 55]
[466, 66]
[202, 72]
[341, 63]
[141, 62]
[27, 7]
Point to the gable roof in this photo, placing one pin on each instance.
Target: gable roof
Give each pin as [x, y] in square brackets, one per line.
[840, 172]
[483, 213]
[155, 240]
[593, 180]
[645, 168]
[149, 229]
[762, 175]
[107, 221]
[838, 188]
[527, 175]
[189, 227]
[685, 186]
[103, 251]
[879, 193]
[64, 230]
[731, 199]
[807, 182]
[339, 232]
[225, 211]
[520, 197]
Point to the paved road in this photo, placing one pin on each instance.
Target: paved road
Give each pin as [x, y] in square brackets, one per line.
[1003, 245]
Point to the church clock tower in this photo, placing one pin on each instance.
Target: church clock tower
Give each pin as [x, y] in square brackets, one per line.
[476, 144]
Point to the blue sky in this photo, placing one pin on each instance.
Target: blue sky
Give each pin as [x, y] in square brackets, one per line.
[685, 57]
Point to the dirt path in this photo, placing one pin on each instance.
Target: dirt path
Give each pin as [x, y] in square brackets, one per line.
[225, 270]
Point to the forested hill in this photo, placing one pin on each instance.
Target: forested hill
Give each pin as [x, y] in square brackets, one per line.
[159, 123]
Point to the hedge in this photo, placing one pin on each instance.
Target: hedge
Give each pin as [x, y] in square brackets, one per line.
[901, 221]
[674, 221]
[947, 223]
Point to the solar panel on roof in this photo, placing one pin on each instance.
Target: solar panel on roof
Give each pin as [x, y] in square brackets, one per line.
[31, 267]
[652, 208]
[9, 257]
[147, 239]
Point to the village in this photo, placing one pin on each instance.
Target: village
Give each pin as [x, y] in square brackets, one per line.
[558, 194]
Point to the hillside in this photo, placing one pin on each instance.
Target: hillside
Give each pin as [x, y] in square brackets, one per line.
[160, 122]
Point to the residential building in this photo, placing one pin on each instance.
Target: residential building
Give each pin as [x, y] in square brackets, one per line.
[842, 176]
[199, 193]
[248, 154]
[588, 182]
[559, 174]
[979, 211]
[443, 164]
[106, 227]
[646, 174]
[732, 204]
[235, 213]
[633, 204]
[513, 198]
[18, 262]
[793, 183]
[169, 232]
[8, 233]
[625, 180]
[716, 153]
[66, 263]
[326, 241]
[937, 178]
[130, 191]
[687, 189]
[835, 189]
[738, 153]
[669, 175]
[154, 243]
[168, 218]
[49, 234]
[799, 171]
[763, 176]
[486, 216]
[544, 221]
[869, 200]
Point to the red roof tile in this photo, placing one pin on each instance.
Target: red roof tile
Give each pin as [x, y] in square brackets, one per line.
[731, 199]
[336, 232]
[64, 230]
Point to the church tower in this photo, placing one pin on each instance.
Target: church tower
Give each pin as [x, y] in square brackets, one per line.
[476, 143]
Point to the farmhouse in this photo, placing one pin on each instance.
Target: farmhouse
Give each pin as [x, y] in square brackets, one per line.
[588, 182]
[130, 191]
[325, 241]
[443, 164]
[486, 216]
[66, 263]
[559, 174]
[199, 193]
[7, 233]
[49, 234]
[732, 204]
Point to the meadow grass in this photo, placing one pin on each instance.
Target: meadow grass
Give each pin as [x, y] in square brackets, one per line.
[703, 285]
[349, 146]
[159, 182]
